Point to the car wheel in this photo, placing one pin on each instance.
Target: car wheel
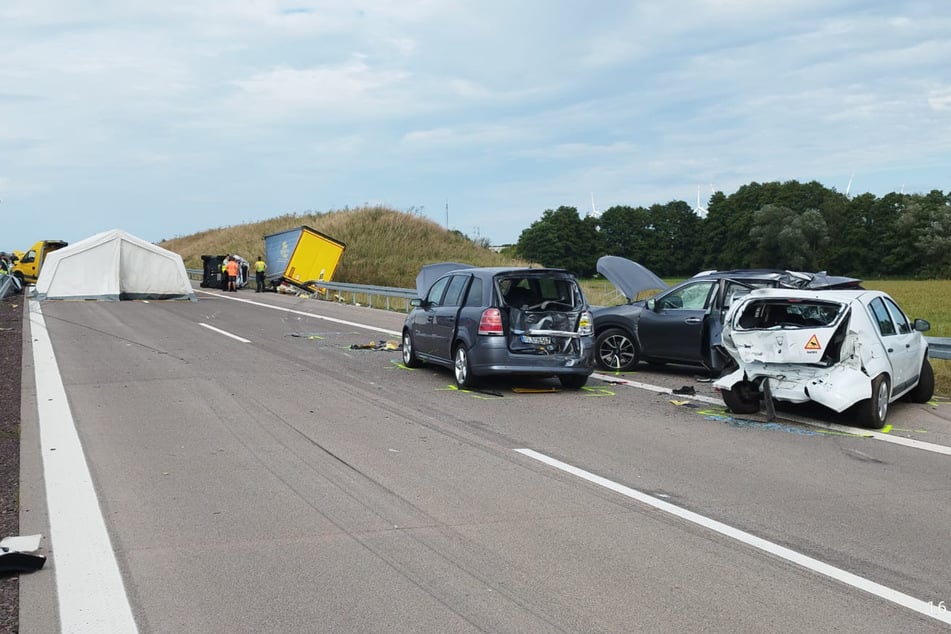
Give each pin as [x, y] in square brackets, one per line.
[410, 360]
[616, 350]
[923, 392]
[461, 367]
[742, 399]
[872, 412]
[573, 381]
[19, 276]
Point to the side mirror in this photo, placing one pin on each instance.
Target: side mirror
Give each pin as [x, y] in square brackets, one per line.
[650, 304]
[416, 302]
[922, 325]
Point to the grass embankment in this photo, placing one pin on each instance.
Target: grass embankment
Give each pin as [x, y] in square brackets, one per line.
[387, 248]
[384, 247]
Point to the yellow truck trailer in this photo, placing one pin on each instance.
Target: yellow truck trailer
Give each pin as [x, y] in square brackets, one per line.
[303, 257]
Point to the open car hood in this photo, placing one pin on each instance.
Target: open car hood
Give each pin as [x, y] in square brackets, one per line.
[629, 277]
[432, 272]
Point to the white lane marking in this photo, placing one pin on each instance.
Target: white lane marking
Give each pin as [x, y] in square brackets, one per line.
[855, 431]
[607, 378]
[305, 314]
[843, 576]
[89, 587]
[225, 333]
[896, 440]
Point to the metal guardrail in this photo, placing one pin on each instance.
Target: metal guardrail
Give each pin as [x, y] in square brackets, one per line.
[938, 347]
[351, 293]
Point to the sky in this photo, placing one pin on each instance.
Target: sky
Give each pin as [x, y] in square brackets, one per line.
[173, 117]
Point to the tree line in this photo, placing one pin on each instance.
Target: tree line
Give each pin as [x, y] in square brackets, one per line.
[790, 225]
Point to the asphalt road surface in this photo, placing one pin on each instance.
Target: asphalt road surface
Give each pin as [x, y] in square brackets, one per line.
[236, 465]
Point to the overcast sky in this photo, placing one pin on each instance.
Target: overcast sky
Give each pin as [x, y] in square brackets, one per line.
[169, 117]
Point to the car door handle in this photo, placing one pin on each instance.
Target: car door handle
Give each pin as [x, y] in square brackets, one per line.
[692, 320]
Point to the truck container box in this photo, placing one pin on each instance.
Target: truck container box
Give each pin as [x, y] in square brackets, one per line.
[302, 257]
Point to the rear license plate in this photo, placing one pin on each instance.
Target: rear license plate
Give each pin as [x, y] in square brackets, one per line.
[541, 341]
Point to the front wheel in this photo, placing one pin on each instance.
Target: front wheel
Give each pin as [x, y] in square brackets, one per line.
[410, 360]
[742, 399]
[573, 381]
[461, 368]
[872, 412]
[616, 350]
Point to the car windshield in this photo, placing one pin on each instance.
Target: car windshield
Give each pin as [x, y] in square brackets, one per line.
[788, 313]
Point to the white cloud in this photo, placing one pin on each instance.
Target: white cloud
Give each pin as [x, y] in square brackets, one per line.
[316, 104]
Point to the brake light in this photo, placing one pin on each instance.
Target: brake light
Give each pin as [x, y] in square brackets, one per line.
[491, 322]
[585, 323]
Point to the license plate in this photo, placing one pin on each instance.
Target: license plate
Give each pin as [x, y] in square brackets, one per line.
[541, 341]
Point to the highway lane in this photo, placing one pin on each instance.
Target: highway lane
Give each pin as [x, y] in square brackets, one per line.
[293, 484]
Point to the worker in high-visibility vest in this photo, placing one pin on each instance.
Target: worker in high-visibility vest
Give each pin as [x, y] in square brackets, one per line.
[224, 272]
[259, 268]
[232, 274]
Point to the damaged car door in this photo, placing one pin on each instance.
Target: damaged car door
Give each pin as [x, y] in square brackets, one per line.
[672, 326]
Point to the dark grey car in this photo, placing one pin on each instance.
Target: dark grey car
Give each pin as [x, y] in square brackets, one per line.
[682, 324]
[500, 321]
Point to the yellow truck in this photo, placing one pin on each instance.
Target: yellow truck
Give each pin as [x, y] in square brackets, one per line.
[26, 266]
[302, 257]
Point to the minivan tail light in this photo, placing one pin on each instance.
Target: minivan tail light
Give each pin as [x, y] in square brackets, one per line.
[491, 322]
[585, 323]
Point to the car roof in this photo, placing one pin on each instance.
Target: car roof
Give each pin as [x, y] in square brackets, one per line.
[431, 272]
[838, 295]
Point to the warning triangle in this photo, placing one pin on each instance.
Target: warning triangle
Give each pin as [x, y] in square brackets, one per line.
[813, 344]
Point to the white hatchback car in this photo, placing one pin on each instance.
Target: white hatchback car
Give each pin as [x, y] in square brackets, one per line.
[840, 349]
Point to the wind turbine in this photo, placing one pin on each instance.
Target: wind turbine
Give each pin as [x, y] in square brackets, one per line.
[699, 209]
[594, 210]
[848, 188]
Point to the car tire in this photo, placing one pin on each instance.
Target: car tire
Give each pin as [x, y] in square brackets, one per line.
[462, 368]
[923, 392]
[410, 360]
[872, 412]
[742, 399]
[615, 349]
[573, 381]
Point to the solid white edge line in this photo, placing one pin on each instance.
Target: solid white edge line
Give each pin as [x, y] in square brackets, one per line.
[306, 314]
[848, 578]
[89, 587]
[855, 431]
[225, 333]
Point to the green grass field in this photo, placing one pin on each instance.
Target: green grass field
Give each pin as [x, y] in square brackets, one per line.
[927, 299]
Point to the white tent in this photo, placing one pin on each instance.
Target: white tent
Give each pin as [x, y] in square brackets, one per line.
[113, 265]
